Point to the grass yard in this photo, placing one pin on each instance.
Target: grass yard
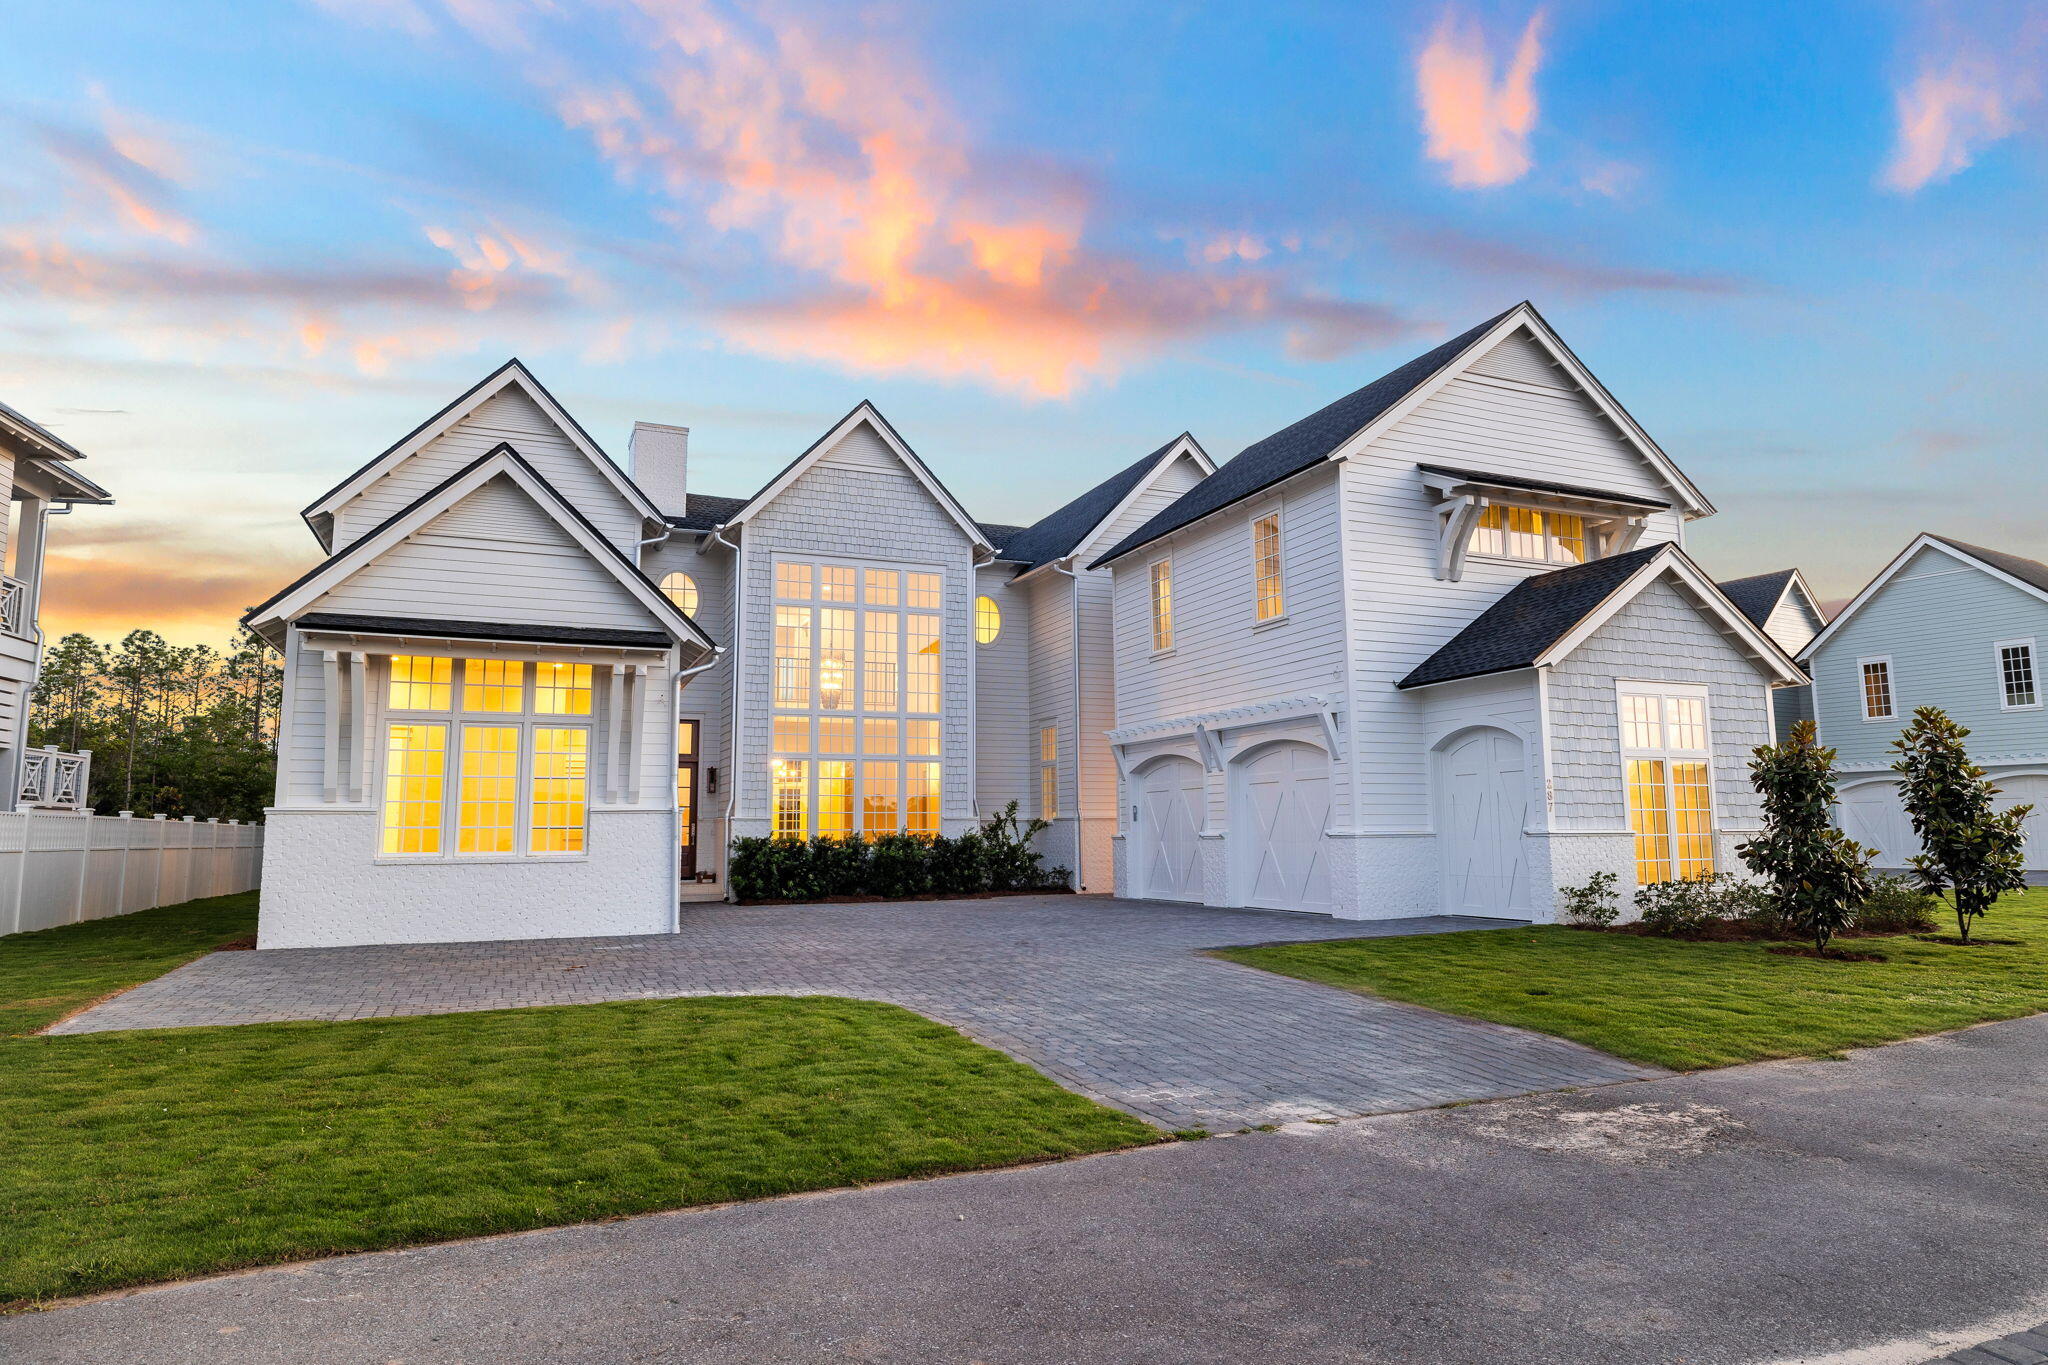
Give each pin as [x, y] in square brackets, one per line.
[133, 1157]
[1690, 1005]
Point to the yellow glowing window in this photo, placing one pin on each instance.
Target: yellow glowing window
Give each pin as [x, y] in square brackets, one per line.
[1567, 537]
[1641, 726]
[1526, 533]
[1048, 772]
[792, 652]
[879, 809]
[921, 791]
[488, 816]
[686, 738]
[1692, 834]
[1649, 819]
[1670, 785]
[921, 645]
[419, 683]
[792, 734]
[835, 656]
[988, 620]
[879, 735]
[793, 580]
[1272, 602]
[835, 583]
[835, 734]
[880, 587]
[922, 738]
[924, 592]
[1048, 743]
[789, 793]
[1685, 722]
[561, 689]
[415, 767]
[680, 589]
[1162, 604]
[493, 685]
[561, 779]
[835, 799]
[882, 660]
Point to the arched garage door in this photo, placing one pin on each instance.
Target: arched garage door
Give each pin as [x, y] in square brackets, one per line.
[1165, 857]
[1282, 805]
[1872, 816]
[1485, 807]
[2031, 788]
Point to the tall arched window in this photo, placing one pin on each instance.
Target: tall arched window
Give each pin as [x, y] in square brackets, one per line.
[681, 589]
[988, 619]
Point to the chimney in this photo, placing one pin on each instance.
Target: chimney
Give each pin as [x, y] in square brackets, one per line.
[658, 457]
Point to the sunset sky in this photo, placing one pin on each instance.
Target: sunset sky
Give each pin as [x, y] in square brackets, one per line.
[245, 247]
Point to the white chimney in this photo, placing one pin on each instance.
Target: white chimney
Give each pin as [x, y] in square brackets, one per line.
[658, 458]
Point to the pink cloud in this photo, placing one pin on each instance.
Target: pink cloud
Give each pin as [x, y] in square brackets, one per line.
[1478, 125]
[1967, 91]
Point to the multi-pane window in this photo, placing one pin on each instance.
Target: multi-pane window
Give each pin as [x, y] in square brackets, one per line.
[680, 589]
[1526, 533]
[988, 620]
[1877, 688]
[857, 683]
[2017, 687]
[521, 785]
[1162, 605]
[1271, 600]
[1665, 758]
[1048, 772]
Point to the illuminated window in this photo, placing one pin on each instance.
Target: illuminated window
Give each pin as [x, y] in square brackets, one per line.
[561, 689]
[789, 790]
[1670, 784]
[680, 589]
[488, 820]
[882, 660]
[1048, 772]
[792, 734]
[561, 779]
[921, 738]
[921, 647]
[1162, 605]
[879, 735]
[879, 812]
[835, 734]
[415, 767]
[924, 592]
[793, 580]
[419, 683]
[835, 659]
[1271, 601]
[2016, 674]
[835, 583]
[493, 685]
[792, 654]
[988, 620]
[881, 587]
[921, 793]
[1526, 533]
[1877, 689]
[835, 799]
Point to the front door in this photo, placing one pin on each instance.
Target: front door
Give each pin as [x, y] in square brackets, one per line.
[686, 794]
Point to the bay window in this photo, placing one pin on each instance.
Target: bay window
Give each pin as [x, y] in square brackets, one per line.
[1666, 762]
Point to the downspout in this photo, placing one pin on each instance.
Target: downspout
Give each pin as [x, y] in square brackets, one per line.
[1074, 633]
[739, 647]
[675, 831]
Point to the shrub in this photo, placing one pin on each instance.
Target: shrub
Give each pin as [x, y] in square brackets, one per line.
[1594, 904]
[996, 857]
[1968, 849]
[1818, 876]
[1896, 906]
[1691, 907]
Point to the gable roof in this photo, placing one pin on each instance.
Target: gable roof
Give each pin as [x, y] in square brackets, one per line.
[27, 428]
[1062, 531]
[1325, 433]
[863, 412]
[1758, 595]
[2028, 575]
[319, 514]
[1543, 618]
[501, 460]
[704, 512]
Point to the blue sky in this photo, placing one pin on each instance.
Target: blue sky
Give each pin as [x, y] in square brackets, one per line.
[243, 248]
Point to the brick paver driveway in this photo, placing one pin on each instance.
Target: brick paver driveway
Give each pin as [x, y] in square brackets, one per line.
[1111, 998]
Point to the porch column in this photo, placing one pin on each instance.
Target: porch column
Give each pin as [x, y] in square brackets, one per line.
[330, 733]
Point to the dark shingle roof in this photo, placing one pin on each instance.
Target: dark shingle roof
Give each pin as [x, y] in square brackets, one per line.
[38, 432]
[1757, 595]
[350, 622]
[2029, 571]
[1542, 486]
[701, 512]
[1057, 533]
[1300, 446]
[1534, 615]
[999, 534]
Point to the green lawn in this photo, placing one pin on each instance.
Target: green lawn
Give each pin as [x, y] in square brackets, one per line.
[132, 1157]
[1689, 1005]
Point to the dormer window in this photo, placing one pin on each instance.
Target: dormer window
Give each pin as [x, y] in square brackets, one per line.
[1507, 516]
[1528, 533]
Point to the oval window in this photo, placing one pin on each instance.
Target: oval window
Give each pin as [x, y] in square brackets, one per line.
[681, 589]
[988, 619]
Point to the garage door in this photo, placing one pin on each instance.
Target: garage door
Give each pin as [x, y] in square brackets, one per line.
[1486, 804]
[1872, 816]
[1283, 803]
[2033, 790]
[1165, 853]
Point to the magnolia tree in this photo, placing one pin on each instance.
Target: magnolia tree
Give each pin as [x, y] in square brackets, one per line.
[1817, 874]
[1969, 851]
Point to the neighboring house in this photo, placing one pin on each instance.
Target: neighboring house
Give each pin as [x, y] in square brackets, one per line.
[41, 472]
[1945, 624]
[1783, 605]
[1435, 647]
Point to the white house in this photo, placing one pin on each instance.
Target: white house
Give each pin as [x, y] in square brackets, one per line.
[1436, 646]
[1945, 624]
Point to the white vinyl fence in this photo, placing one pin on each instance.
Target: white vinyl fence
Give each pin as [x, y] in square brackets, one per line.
[59, 867]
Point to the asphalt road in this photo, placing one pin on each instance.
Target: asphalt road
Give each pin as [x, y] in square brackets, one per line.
[1887, 1207]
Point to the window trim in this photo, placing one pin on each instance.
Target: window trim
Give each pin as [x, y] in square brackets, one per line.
[1998, 648]
[1596, 533]
[995, 611]
[688, 587]
[1276, 512]
[1048, 769]
[1152, 605]
[1669, 755]
[1891, 688]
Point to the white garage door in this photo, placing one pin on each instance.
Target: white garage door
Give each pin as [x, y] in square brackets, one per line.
[1872, 816]
[1486, 804]
[1163, 847]
[1283, 803]
[2033, 790]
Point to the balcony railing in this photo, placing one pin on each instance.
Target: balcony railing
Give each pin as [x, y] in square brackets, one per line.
[54, 780]
[14, 606]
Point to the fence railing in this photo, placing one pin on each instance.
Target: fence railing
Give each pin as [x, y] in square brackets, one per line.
[13, 605]
[59, 867]
[52, 779]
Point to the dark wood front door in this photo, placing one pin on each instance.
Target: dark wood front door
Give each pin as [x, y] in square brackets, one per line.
[686, 794]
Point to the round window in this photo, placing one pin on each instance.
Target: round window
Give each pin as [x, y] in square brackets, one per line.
[681, 589]
[988, 619]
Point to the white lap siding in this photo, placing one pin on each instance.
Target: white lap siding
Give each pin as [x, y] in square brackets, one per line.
[707, 696]
[1055, 701]
[1002, 701]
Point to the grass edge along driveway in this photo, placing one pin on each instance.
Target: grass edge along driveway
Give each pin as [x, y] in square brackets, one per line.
[1690, 1005]
[152, 1155]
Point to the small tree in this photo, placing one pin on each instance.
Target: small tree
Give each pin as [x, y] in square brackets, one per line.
[1818, 875]
[1968, 851]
